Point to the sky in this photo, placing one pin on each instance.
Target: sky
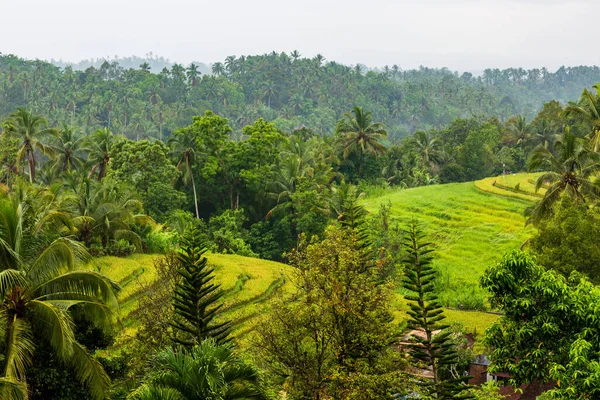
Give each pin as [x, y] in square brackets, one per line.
[463, 35]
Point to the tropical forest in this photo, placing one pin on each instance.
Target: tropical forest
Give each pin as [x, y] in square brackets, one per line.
[288, 227]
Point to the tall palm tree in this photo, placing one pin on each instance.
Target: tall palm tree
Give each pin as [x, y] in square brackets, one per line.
[361, 134]
[588, 109]
[428, 148]
[40, 284]
[31, 129]
[218, 69]
[68, 150]
[183, 144]
[192, 74]
[100, 144]
[207, 371]
[568, 170]
[518, 130]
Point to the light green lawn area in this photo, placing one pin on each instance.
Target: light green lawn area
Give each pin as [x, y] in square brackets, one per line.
[470, 227]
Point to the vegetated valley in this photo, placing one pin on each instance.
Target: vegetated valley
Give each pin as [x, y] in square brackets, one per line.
[281, 227]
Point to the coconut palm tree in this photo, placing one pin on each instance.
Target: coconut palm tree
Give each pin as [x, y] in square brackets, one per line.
[40, 284]
[192, 74]
[207, 371]
[428, 149]
[100, 143]
[68, 151]
[218, 69]
[588, 109]
[104, 210]
[568, 170]
[31, 129]
[183, 144]
[360, 133]
[518, 130]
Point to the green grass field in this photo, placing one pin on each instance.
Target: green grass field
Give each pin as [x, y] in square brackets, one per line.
[470, 224]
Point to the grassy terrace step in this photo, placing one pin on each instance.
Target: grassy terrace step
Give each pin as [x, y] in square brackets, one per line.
[471, 225]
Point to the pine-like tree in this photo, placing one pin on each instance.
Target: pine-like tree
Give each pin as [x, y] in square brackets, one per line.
[437, 349]
[195, 298]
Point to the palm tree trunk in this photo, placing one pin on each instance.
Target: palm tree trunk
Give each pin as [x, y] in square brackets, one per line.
[195, 196]
[31, 167]
[360, 165]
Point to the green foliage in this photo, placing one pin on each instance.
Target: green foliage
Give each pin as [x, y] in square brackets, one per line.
[566, 241]
[549, 328]
[436, 349]
[568, 170]
[44, 289]
[206, 371]
[335, 339]
[195, 298]
[228, 235]
[131, 163]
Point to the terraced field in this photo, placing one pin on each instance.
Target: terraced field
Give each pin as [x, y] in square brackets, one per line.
[247, 282]
[471, 225]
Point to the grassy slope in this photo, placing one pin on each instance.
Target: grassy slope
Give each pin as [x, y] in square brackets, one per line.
[471, 225]
[260, 280]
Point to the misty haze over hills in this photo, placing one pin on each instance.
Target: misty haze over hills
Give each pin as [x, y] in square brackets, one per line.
[157, 63]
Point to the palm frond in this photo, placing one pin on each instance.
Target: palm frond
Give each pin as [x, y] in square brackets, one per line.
[9, 278]
[90, 372]
[56, 325]
[153, 392]
[19, 348]
[13, 389]
[60, 254]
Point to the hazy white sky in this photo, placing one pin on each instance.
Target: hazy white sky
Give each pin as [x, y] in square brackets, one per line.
[459, 34]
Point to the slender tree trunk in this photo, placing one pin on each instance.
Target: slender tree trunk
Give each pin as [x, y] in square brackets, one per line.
[31, 167]
[195, 196]
[360, 165]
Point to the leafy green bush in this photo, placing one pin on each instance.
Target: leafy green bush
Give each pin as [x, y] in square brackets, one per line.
[160, 242]
[121, 248]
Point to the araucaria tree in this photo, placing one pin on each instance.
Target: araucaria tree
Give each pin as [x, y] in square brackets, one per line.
[196, 298]
[436, 348]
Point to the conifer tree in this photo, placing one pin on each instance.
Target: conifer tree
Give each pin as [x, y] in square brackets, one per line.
[437, 349]
[195, 298]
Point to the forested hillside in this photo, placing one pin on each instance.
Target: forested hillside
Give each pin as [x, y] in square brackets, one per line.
[138, 211]
[285, 88]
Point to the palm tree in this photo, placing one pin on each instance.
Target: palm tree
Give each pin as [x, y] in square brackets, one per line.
[361, 134]
[145, 67]
[104, 210]
[218, 69]
[207, 371]
[67, 150]
[183, 144]
[427, 146]
[588, 108]
[518, 131]
[30, 129]
[100, 144]
[40, 283]
[193, 74]
[569, 168]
